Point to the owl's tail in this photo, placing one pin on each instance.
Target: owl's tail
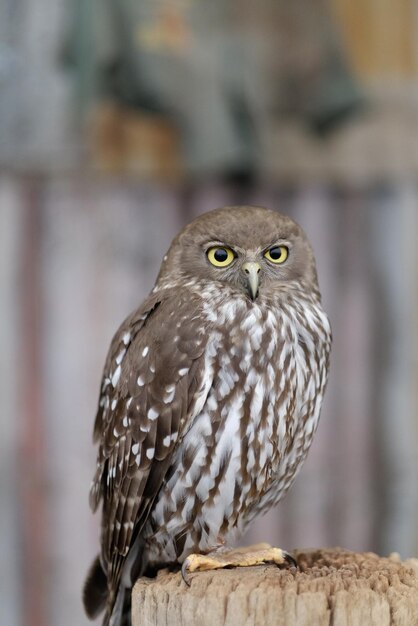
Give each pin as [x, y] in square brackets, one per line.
[95, 590]
[95, 598]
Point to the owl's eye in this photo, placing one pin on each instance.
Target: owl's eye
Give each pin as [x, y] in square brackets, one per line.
[220, 256]
[277, 254]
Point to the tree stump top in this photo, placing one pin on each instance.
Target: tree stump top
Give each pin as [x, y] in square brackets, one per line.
[332, 586]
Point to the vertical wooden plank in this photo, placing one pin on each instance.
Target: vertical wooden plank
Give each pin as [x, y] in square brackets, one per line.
[411, 230]
[31, 450]
[12, 558]
[71, 375]
[393, 219]
[353, 351]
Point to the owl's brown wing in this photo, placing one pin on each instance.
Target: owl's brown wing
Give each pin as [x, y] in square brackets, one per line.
[154, 383]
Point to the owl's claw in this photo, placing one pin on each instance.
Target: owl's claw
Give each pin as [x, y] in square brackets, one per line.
[290, 560]
[260, 554]
[185, 572]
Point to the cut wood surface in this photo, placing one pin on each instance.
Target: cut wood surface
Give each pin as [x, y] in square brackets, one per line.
[332, 587]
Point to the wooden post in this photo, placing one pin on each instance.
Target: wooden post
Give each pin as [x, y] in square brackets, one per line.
[332, 587]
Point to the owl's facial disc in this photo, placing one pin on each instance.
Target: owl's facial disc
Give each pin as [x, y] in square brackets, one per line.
[256, 252]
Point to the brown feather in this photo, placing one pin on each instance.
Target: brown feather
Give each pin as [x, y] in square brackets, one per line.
[127, 433]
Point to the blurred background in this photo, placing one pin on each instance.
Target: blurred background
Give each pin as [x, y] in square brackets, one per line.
[120, 122]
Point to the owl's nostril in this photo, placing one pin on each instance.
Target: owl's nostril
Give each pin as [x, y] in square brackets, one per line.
[247, 271]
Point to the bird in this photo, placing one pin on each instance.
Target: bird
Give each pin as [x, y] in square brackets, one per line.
[209, 401]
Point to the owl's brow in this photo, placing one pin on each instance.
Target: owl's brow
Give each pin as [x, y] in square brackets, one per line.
[278, 242]
[218, 242]
[273, 242]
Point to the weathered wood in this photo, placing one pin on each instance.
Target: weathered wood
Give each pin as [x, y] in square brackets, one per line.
[333, 586]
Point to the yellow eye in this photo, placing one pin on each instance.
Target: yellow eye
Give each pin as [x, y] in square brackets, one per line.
[220, 256]
[277, 254]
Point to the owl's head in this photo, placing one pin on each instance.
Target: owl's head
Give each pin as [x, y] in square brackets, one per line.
[254, 250]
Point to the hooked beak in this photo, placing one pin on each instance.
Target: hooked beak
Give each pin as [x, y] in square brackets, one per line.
[252, 270]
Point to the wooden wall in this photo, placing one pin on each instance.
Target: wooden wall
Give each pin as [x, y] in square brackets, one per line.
[77, 255]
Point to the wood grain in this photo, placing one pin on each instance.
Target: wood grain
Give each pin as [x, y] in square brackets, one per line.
[333, 586]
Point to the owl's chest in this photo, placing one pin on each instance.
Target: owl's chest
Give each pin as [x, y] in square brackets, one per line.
[248, 355]
[252, 403]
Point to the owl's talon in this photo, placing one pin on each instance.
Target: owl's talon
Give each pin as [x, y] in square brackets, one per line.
[185, 572]
[290, 559]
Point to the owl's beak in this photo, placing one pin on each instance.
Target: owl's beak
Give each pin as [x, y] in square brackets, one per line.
[252, 270]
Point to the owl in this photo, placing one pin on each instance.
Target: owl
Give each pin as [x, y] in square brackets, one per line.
[210, 398]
